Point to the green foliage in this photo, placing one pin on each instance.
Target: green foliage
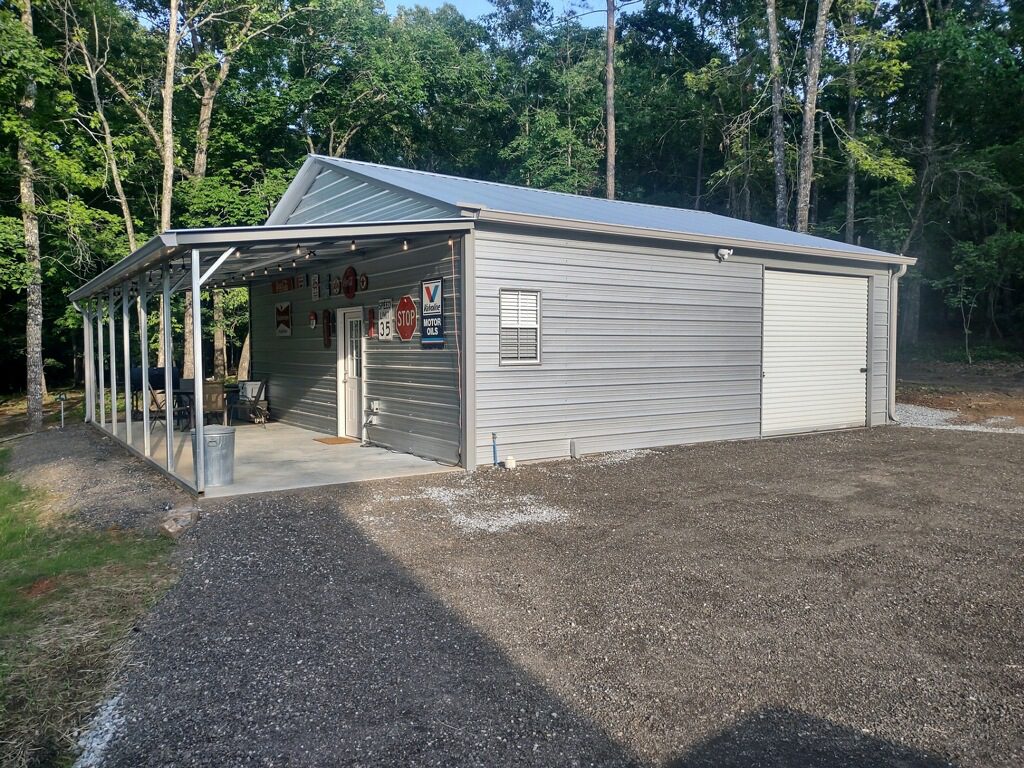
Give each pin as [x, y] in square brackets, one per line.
[518, 97]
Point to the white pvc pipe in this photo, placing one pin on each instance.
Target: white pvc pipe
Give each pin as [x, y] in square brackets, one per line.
[100, 364]
[168, 371]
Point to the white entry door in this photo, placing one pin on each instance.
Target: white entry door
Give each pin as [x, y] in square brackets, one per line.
[815, 352]
[350, 372]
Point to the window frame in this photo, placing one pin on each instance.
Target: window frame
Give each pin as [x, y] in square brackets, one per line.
[540, 303]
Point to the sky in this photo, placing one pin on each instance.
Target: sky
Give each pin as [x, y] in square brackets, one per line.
[473, 9]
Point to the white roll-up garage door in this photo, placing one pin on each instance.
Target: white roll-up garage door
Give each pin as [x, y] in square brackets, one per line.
[815, 352]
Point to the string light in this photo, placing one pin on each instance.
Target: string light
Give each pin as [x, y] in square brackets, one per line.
[405, 245]
[266, 271]
[293, 263]
[280, 268]
[451, 240]
[352, 245]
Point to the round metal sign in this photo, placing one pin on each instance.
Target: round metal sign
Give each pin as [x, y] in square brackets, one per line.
[405, 318]
[348, 283]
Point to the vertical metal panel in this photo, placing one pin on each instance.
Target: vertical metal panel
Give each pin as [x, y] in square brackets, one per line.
[879, 360]
[640, 347]
[417, 388]
[815, 352]
[168, 371]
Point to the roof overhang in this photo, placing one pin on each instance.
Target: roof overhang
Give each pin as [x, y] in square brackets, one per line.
[484, 214]
[253, 246]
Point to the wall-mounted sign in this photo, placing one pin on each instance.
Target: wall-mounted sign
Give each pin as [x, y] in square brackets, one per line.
[283, 318]
[364, 282]
[348, 283]
[432, 313]
[371, 322]
[328, 326]
[300, 282]
[385, 320]
[314, 284]
[312, 319]
[405, 318]
[282, 285]
[335, 285]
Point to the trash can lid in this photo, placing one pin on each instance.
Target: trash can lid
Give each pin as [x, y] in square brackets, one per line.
[212, 430]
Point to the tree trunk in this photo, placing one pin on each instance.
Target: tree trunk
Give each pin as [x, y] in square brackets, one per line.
[910, 323]
[203, 135]
[167, 125]
[220, 358]
[30, 224]
[108, 144]
[609, 100]
[699, 187]
[167, 156]
[851, 130]
[244, 360]
[778, 128]
[805, 173]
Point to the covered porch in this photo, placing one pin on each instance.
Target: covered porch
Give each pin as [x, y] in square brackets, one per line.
[119, 314]
[278, 457]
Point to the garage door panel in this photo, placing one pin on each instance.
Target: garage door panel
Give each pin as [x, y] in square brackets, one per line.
[815, 347]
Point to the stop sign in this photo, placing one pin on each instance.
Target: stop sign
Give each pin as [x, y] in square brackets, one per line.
[405, 318]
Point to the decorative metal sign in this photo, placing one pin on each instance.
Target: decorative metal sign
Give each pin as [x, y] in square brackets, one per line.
[385, 320]
[405, 318]
[432, 313]
[283, 318]
[348, 283]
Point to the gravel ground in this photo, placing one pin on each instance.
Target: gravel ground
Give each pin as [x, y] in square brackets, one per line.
[939, 418]
[90, 474]
[846, 599]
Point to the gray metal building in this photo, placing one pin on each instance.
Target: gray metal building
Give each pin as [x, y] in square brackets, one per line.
[570, 324]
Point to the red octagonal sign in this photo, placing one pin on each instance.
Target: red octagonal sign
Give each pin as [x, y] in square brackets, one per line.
[405, 318]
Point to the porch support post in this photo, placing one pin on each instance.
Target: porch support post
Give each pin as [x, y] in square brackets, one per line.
[467, 342]
[168, 372]
[87, 367]
[144, 362]
[125, 340]
[113, 362]
[100, 363]
[197, 355]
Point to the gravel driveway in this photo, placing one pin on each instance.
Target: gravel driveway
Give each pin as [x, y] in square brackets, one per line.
[848, 599]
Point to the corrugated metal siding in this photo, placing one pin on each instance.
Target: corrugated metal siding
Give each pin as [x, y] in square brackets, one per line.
[335, 197]
[878, 365]
[640, 347]
[815, 352]
[418, 388]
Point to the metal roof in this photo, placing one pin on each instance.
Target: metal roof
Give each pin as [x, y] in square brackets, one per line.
[539, 205]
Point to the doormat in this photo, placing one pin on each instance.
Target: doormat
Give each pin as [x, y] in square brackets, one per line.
[335, 440]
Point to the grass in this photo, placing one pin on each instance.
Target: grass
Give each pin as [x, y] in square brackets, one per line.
[68, 599]
[14, 416]
[953, 352]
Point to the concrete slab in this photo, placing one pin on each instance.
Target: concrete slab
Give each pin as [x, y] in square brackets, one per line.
[281, 457]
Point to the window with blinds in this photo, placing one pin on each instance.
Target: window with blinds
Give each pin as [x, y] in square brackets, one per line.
[519, 326]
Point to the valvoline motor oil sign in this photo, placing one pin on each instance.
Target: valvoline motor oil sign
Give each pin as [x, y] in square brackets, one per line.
[432, 313]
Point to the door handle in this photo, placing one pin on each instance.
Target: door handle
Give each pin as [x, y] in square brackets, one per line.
[863, 370]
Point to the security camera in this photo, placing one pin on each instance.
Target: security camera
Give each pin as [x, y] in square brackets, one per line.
[723, 253]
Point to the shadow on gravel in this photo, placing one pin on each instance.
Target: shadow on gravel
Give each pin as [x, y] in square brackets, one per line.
[782, 738]
[291, 639]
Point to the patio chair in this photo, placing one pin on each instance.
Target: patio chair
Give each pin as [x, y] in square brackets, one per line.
[214, 404]
[251, 403]
[181, 413]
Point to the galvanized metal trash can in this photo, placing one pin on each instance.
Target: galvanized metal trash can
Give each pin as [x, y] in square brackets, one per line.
[219, 454]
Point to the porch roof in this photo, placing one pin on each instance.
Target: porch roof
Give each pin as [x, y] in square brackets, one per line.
[237, 253]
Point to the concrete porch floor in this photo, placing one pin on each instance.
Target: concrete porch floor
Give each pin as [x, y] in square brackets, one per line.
[282, 457]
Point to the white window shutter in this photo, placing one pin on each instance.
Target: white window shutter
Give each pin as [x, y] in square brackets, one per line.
[519, 326]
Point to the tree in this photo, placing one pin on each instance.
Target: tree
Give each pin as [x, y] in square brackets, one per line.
[609, 102]
[805, 163]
